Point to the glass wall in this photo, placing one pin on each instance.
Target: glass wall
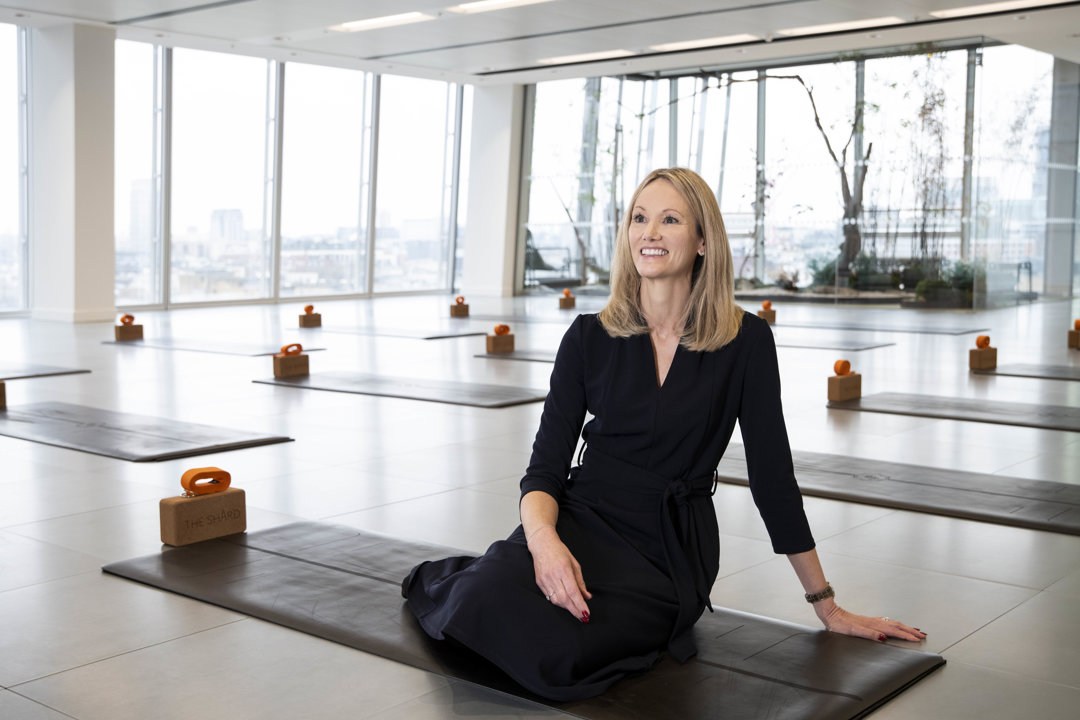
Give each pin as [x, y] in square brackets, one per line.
[12, 167]
[1012, 175]
[923, 178]
[138, 176]
[414, 184]
[325, 183]
[220, 239]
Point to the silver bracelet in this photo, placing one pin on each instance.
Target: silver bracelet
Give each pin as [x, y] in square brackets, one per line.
[536, 530]
[820, 595]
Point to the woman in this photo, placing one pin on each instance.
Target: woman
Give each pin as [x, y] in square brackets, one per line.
[614, 559]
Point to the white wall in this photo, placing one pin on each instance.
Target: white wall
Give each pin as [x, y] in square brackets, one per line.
[494, 178]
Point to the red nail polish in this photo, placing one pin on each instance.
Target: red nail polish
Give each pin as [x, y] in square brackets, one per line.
[881, 637]
[585, 618]
[585, 614]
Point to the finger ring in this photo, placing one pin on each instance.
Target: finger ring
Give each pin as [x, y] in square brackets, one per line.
[886, 619]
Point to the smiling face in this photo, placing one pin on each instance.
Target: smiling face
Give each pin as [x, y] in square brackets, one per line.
[664, 240]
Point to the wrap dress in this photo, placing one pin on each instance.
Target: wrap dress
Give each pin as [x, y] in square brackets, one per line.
[636, 511]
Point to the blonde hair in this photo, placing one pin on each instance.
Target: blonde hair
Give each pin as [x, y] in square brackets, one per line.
[712, 317]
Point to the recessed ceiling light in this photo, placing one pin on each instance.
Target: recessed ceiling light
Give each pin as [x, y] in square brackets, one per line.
[841, 26]
[704, 42]
[489, 5]
[585, 57]
[382, 22]
[992, 7]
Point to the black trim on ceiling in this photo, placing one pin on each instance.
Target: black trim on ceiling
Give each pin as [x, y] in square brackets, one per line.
[779, 40]
[606, 26]
[179, 11]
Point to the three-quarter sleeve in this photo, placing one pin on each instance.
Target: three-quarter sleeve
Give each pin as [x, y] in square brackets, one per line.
[561, 421]
[768, 454]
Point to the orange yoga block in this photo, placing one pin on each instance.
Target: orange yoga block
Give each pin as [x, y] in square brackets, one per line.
[982, 356]
[291, 362]
[766, 312]
[844, 385]
[310, 318]
[460, 308]
[567, 301]
[205, 511]
[127, 330]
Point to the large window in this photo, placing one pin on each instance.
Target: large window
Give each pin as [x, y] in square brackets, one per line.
[325, 181]
[138, 173]
[942, 177]
[12, 174]
[222, 172]
[1013, 173]
[414, 184]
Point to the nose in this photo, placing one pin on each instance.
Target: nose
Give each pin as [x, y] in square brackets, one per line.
[652, 229]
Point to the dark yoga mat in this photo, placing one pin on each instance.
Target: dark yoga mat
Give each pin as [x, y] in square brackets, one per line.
[565, 318]
[344, 585]
[887, 327]
[439, 333]
[1034, 504]
[18, 372]
[1049, 417]
[542, 356]
[444, 391]
[1044, 372]
[125, 436]
[211, 345]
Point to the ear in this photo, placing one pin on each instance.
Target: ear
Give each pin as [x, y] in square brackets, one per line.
[701, 247]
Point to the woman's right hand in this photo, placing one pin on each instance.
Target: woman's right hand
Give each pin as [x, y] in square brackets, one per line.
[558, 574]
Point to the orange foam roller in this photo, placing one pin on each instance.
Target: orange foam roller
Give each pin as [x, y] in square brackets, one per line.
[216, 479]
[502, 329]
[842, 367]
[309, 309]
[127, 319]
[292, 349]
[766, 305]
[460, 299]
[983, 341]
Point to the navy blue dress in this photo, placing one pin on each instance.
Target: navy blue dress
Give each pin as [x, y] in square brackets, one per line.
[636, 513]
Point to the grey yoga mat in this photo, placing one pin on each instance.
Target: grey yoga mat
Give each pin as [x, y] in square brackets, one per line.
[1044, 372]
[1034, 504]
[899, 327]
[125, 436]
[541, 356]
[444, 391]
[429, 333]
[18, 372]
[208, 345]
[1050, 417]
[344, 585]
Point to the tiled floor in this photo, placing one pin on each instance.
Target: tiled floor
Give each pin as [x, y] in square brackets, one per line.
[1002, 604]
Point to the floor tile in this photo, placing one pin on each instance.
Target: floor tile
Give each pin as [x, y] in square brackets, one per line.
[248, 669]
[959, 691]
[962, 547]
[17, 707]
[55, 626]
[1039, 639]
[24, 561]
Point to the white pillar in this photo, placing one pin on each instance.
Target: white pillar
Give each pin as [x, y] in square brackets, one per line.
[1061, 194]
[494, 178]
[71, 173]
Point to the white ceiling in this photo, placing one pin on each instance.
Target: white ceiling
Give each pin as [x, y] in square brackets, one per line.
[507, 45]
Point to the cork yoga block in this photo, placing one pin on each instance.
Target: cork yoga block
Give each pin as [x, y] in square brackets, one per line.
[3, 396]
[187, 520]
[768, 316]
[128, 332]
[459, 310]
[310, 320]
[982, 358]
[845, 387]
[1074, 339]
[291, 365]
[567, 303]
[500, 343]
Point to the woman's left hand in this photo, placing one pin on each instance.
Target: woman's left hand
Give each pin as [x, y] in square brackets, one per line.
[837, 619]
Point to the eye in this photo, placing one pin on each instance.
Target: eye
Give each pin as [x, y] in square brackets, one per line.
[638, 218]
[671, 220]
